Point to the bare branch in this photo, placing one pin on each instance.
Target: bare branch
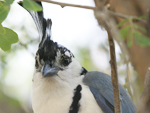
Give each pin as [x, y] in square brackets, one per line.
[23, 45]
[67, 4]
[94, 8]
[144, 105]
[127, 16]
[104, 19]
[114, 74]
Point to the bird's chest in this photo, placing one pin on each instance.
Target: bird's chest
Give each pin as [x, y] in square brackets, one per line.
[60, 102]
[52, 97]
[56, 101]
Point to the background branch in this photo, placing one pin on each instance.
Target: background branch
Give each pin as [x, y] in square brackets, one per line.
[127, 16]
[144, 105]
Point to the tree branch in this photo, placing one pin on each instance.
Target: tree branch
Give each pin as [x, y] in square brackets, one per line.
[144, 105]
[114, 74]
[105, 19]
[67, 4]
[94, 8]
[127, 16]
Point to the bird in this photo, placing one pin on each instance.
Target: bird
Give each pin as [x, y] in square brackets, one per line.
[62, 85]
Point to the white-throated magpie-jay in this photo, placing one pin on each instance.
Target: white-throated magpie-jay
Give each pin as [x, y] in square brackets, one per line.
[62, 85]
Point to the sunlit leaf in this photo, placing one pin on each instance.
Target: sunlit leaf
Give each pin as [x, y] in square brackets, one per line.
[31, 5]
[7, 39]
[5, 45]
[141, 39]
[11, 36]
[123, 22]
[8, 2]
[140, 28]
[2, 29]
[124, 32]
[1, 4]
[4, 12]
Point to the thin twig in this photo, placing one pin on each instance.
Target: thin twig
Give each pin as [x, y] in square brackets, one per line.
[94, 8]
[23, 45]
[144, 105]
[105, 20]
[127, 16]
[67, 4]
[114, 74]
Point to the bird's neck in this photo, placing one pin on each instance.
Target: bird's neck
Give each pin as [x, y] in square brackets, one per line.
[56, 84]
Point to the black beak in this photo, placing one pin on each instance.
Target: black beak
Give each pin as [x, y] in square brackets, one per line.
[49, 71]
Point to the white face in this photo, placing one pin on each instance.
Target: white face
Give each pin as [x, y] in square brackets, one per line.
[62, 59]
[73, 69]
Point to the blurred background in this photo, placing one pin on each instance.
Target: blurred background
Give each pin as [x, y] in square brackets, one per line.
[75, 28]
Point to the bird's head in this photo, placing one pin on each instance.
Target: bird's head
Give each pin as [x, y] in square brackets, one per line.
[53, 59]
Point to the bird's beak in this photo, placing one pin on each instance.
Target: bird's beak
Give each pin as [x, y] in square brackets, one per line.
[49, 71]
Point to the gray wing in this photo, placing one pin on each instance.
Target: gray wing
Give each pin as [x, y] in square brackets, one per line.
[101, 86]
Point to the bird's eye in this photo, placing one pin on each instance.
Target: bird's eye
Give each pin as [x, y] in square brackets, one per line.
[66, 61]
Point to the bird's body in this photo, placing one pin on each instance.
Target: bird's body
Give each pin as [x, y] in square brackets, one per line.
[62, 85]
[55, 95]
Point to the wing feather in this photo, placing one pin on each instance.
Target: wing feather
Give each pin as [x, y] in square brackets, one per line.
[101, 86]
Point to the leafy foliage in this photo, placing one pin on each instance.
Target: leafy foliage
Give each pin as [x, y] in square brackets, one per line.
[8, 36]
[31, 5]
[2, 29]
[3, 12]
[8, 2]
[131, 31]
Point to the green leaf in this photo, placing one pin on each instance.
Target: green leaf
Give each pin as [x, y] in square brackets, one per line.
[4, 12]
[5, 45]
[123, 22]
[140, 28]
[124, 32]
[8, 2]
[7, 39]
[1, 4]
[129, 41]
[31, 5]
[11, 36]
[2, 29]
[141, 39]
